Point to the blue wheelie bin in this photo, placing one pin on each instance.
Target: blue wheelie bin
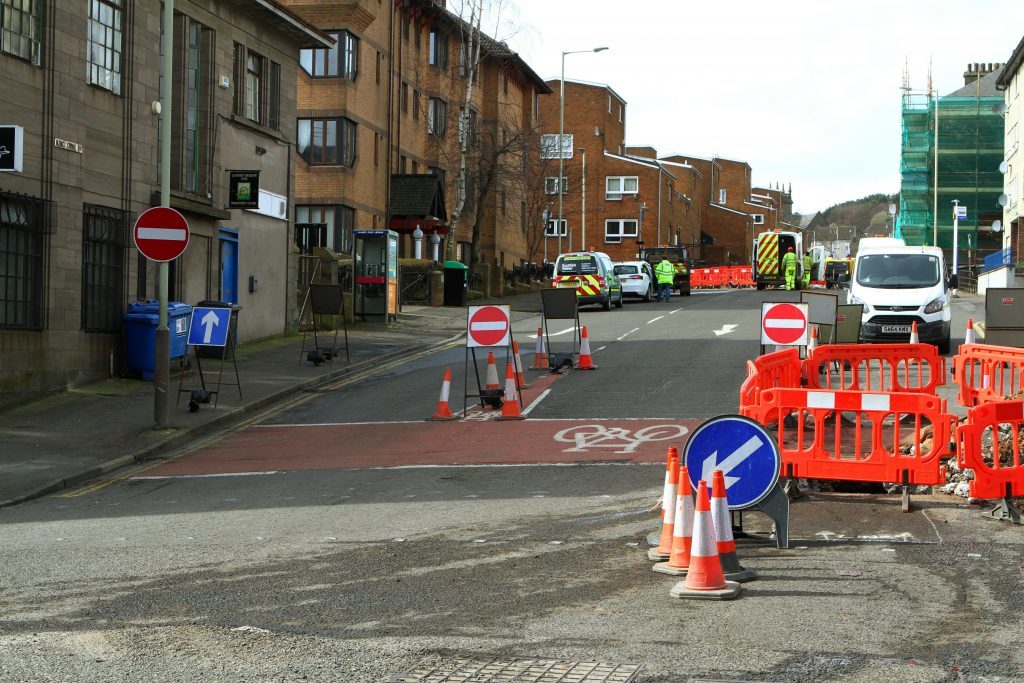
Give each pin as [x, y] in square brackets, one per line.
[140, 323]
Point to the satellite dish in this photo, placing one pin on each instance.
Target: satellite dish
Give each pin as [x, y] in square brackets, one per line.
[997, 226]
[1003, 167]
[999, 108]
[1003, 200]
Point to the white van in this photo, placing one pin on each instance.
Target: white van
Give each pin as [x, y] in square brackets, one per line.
[898, 286]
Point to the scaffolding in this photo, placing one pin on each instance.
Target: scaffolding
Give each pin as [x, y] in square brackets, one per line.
[966, 152]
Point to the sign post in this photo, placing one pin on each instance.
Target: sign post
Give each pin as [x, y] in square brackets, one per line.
[486, 327]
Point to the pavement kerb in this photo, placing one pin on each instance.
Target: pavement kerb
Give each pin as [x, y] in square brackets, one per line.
[220, 421]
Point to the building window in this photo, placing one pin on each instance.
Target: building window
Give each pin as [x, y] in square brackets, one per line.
[338, 222]
[191, 136]
[438, 49]
[339, 60]
[22, 226]
[105, 43]
[551, 149]
[615, 230]
[721, 196]
[327, 142]
[405, 98]
[379, 58]
[437, 117]
[257, 94]
[758, 218]
[552, 229]
[104, 233]
[617, 186]
[551, 185]
[21, 29]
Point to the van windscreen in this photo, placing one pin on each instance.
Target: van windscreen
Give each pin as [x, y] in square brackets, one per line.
[898, 271]
[582, 264]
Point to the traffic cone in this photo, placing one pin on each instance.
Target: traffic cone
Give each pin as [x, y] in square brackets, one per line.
[492, 372]
[510, 405]
[585, 362]
[814, 339]
[668, 509]
[704, 579]
[520, 378]
[723, 532]
[682, 532]
[443, 412]
[654, 538]
[540, 357]
[914, 339]
[969, 335]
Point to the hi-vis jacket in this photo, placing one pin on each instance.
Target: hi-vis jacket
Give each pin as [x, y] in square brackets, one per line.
[665, 272]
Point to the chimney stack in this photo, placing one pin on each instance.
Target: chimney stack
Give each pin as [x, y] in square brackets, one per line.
[980, 69]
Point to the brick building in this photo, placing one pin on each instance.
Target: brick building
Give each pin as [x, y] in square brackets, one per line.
[87, 76]
[394, 92]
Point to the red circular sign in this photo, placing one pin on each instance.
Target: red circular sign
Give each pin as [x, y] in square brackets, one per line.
[488, 326]
[161, 233]
[784, 324]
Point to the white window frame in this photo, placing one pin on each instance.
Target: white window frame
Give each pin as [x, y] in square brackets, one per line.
[615, 187]
[551, 184]
[721, 195]
[105, 44]
[758, 218]
[552, 229]
[619, 225]
[549, 148]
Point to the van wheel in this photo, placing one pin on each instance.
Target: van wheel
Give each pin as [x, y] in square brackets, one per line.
[618, 302]
[760, 286]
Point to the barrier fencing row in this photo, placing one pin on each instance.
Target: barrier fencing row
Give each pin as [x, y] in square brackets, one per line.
[721, 276]
[871, 413]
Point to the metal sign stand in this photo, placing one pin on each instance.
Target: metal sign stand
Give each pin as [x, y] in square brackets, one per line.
[561, 304]
[482, 324]
[214, 393]
[776, 506]
[494, 397]
[324, 300]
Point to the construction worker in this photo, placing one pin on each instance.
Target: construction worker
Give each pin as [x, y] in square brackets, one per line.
[665, 272]
[789, 268]
[808, 266]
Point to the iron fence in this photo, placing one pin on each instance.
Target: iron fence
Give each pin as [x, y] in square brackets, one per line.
[414, 287]
[527, 273]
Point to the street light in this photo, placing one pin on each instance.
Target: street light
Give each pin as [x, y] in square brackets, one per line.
[546, 217]
[561, 135]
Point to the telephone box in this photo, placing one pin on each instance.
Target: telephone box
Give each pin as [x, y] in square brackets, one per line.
[375, 269]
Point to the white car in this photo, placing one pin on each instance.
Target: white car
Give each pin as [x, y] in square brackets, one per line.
[636, 278]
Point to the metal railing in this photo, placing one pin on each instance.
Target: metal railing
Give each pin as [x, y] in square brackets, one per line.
[414, 287]
[527, 273]
[998, 259]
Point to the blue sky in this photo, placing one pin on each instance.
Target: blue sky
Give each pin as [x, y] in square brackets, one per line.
[808, 93]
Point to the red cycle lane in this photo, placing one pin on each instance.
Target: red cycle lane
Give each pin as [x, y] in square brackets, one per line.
[463, 442]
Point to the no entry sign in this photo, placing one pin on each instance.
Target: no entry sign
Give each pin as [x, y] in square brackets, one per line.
[488, 326]
[783, 324]
[161, 234]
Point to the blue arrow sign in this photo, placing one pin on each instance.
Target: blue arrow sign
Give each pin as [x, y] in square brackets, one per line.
[209, 326]
[745, 452]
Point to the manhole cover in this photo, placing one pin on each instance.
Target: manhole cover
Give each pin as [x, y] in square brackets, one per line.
[523, 670]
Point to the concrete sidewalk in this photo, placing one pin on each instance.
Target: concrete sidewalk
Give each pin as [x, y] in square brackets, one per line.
[66, 439]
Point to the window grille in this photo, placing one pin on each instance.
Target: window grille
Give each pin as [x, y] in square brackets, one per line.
[104, 233]
[23, 223]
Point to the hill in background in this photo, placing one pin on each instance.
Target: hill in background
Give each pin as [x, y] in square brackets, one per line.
[871, 212]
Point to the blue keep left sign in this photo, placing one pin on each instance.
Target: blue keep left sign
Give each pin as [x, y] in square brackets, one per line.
[209, 326]
[745, 452]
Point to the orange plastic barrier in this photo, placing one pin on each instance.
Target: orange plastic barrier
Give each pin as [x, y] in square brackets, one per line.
[698, 278]
[992, 423]
[742, 276]
[779, 369]
[987, 373]
[915, 368]
[856, 435]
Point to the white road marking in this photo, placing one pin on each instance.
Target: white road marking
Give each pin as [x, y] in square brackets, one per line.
[675, 311]
[725, 329]
[655, 320]
[543, 394]
[627, 334]
[207, 476]
[555, 334]
[600, 348]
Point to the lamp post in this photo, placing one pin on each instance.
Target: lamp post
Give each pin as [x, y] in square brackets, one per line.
[546, 217]
[561, 135]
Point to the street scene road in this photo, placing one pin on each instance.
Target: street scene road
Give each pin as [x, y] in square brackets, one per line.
[340, 536]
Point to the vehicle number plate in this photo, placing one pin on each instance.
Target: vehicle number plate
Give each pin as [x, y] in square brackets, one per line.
[569, 283]
[895, 329]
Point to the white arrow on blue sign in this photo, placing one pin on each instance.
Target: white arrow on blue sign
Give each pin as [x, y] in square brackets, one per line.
[745, 452]
[209, 326]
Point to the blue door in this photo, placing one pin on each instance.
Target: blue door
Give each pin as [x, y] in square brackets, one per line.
[229, 266]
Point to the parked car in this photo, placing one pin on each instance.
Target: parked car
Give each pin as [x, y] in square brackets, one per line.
[636, 278]
[591, 274]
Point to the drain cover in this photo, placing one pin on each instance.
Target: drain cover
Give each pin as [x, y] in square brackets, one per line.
[524, 670]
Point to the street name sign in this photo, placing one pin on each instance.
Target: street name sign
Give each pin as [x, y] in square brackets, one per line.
[745, 452]
[209, 326]
[488, 326]
[784, 324]
[161, 233]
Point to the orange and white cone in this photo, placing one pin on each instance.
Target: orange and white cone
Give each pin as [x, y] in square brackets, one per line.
[814, 339]
[969, 335]
[520, 377]
[682, 532]
[914, 339]
[585, 362]
[443, 412]
[704, 579]
[654, 538]
[540, 356]
[668, 509]
[723, 532]
[492, 372]
[510, 404]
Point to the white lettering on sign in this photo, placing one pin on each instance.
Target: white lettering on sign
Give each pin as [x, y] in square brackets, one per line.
[585, 437]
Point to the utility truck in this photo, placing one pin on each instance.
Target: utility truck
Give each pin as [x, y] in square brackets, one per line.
[769, 248]
[677, 256]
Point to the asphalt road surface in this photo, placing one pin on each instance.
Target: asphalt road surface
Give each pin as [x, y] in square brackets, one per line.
[341, 537]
